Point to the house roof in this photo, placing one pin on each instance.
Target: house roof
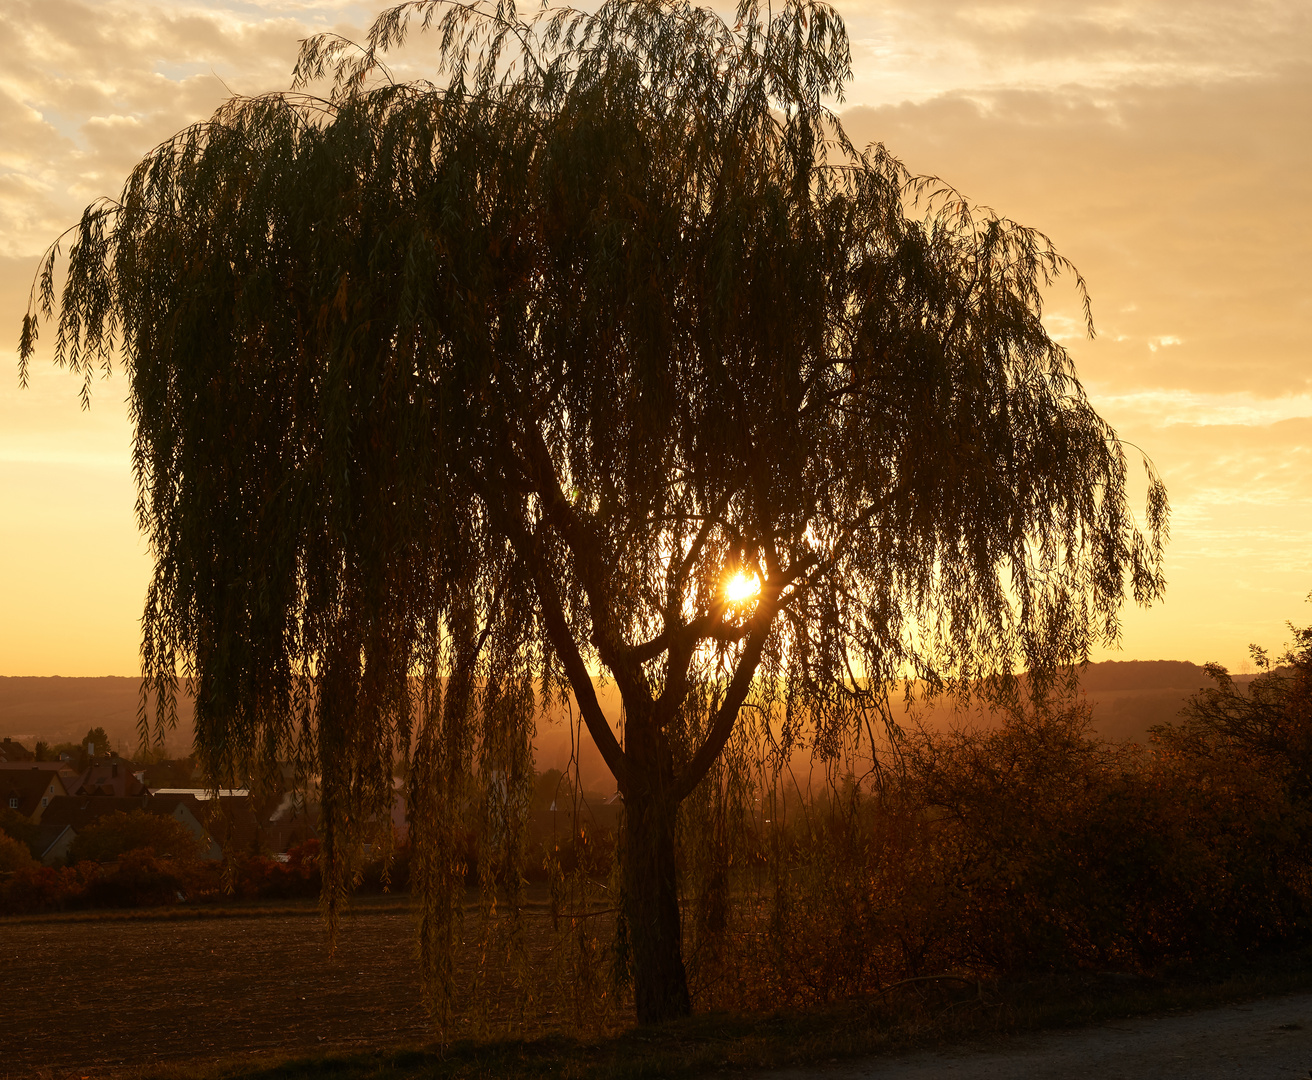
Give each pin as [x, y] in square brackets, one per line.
[81, 810]
[232, 822]
[23, 789]
[47, 836]
[110, 776]
[12, 751]
[205, 794]
[62, 766]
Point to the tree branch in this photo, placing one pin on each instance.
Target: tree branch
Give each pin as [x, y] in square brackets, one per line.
[614, 652]
[727, 715]
[562, 640]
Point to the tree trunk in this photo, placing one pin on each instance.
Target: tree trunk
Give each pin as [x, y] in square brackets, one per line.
[651, 883]
[660, 984]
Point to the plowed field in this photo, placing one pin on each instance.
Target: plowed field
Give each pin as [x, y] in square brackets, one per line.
[93, 996]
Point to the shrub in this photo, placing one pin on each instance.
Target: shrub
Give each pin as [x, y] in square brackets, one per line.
[44, 888]
[140, 880]
[20, 828]
[1030, 848]
[110, 836]
[14, 855]
[383, 875]
[261, 877]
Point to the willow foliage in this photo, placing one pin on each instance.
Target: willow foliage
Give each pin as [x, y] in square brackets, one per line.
[447, 394]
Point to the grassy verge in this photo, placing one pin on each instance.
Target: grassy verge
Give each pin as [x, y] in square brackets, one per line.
[386, 904]
[225, 909]
[911, 1016]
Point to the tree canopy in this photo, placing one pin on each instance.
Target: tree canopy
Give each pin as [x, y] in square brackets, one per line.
[449, 395]
[1269, 720]
[112, 835]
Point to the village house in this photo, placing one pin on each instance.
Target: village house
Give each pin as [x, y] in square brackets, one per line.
[50, 843]
[110, 776]
[79, 811]
[240, 823]
[29, 790]
[13, 752]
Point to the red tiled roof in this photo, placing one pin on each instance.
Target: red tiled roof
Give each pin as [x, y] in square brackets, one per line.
[110, 776]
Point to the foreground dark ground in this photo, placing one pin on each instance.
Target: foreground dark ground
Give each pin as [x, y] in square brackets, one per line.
[254, 993]
[111, 992]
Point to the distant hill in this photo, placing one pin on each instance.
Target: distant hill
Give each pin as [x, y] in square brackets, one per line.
[1120, 675]
[1128, 697]
[1131, 696]
[62, 710]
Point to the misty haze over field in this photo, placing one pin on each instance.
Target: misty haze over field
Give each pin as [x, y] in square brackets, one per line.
[1128, 698]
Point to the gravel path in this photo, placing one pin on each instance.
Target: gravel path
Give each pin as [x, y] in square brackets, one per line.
[1258, 1040]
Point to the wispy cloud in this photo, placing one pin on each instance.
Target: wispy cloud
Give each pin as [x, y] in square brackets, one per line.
[911, 52]
[88, 88]
[1168, 408]
[1180, 204]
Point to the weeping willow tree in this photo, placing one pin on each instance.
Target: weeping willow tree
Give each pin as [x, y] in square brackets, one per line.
[602, 353]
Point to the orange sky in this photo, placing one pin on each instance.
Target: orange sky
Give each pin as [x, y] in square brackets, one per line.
[1166, 147]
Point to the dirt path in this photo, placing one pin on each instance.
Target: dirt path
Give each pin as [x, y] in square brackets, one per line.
[1258, 1040]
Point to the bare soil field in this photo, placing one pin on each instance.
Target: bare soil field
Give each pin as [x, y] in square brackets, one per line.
[93, 995]
[121, 993]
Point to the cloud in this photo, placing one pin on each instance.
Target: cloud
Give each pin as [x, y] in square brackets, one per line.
[87, 89]
[1162, 408]
[908, 52]
[1181, 205]
[1164, 148]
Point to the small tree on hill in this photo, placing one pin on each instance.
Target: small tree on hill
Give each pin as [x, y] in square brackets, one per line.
[95, 743]
[1270, 720]
[605, 352]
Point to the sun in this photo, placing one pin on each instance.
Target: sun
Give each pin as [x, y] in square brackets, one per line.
[740, 588]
